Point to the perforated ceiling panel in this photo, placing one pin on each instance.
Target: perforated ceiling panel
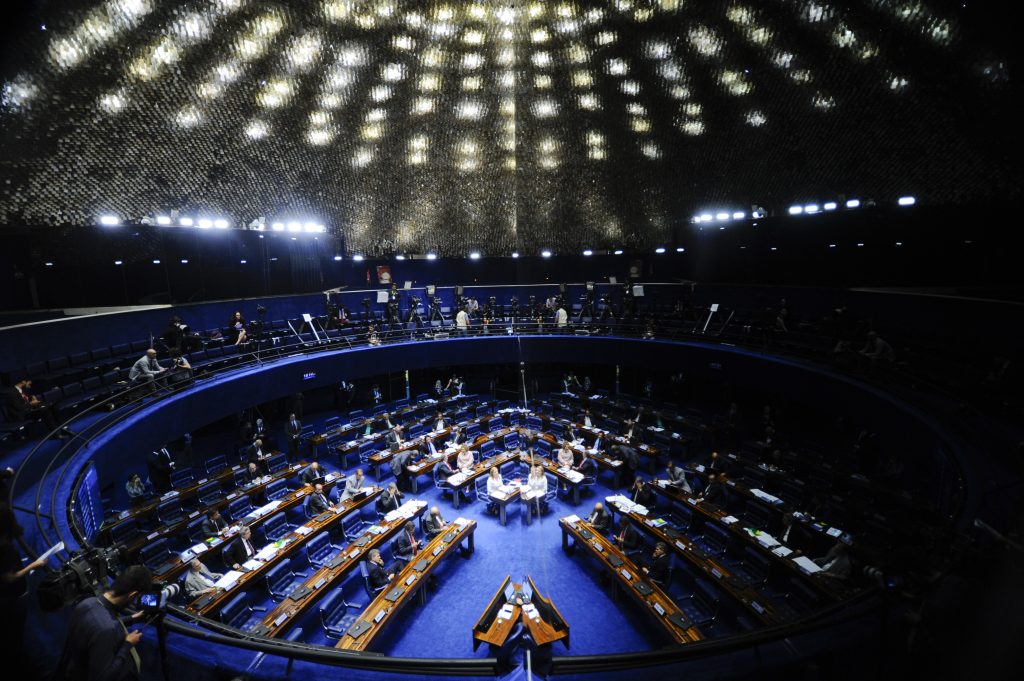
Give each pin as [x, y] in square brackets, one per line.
[414, 126]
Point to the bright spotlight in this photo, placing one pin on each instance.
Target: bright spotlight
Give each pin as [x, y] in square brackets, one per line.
[277, 226]
[186, 222]
[475, 255]
[242, 262]
[588, 252]
[721, 216]
[294, 226]
[220, 223]
[659, 249]
[337, 258]
[431, 256]
[357, 258]
[399, 257]
[739, 215]
[907, 201]
[796, 210]
[156, 262]
[618, 251]
[118, 262]
[811, 208]
[515, 254]
[163, 220]
[706, 217]
[310, 227]
[831, 205]
[204, 223]
[853, 203]
[184, 261]
[545, 254]
[110, 220]
[697, 219]
[680, 249]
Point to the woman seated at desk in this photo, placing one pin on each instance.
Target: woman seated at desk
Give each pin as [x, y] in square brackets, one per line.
[565, 457]
[494, 485]
[538, 486]
[465, 460]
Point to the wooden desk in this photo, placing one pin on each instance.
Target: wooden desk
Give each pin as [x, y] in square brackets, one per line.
[306, 595]
[287, 546]
[656, 603]
[174, 528]
[478, 470]
[549, 628]
[173, 568]
[389, 602]
[360, 424]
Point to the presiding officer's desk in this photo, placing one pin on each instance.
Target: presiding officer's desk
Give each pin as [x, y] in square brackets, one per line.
[409, 581]
[655, 602]
[280, 550]
[333, 573]
[545, 626]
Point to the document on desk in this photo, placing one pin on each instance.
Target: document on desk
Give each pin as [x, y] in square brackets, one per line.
[303, 530]
[807, 565]
[729, 520]
[766, 540]
[461, 522]
[267, 552]
[198, 548]
[229, 579]
[252, 564]
[572, 519]
[761, 494]
[782, 551]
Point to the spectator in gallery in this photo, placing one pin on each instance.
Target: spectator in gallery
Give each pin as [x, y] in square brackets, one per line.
[236, 328]
[135, 488]
[146, 371]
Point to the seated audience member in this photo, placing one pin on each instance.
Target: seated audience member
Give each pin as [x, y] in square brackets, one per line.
[439, 422]
[494, 485]
[135, 488]
[199, 581]
[22, 405]
[378, 576]
[641, 493]
[313, 472]
[713, 492]
[538, 485]
[395, 439]
[715, 462]
[240, 550]
[180, 372]
[658, 570]
[353, 484]
[318, 502]
[406, 545]
[236, 328]
[676, 477]
[586, 467]
[427, 448]
[434, 523]
[147, 372]
[565, 457]
[160, 465]
[626, 538]
[600, 519]
[836, 563]
[252, 473]
[214, 524]
[465, 460]
[456, 437]
[390, 499]
[585, 419]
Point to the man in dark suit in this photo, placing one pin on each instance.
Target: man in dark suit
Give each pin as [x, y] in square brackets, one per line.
[21, 405]
[390, 499]
[456, 437]
[585, 419]
[640, 493]
[214, 524]
[406, 545]
[626, 538]
[629, 458]
[260, 431]
[378, 576]
[658, 570]
[713, 493]
[600, 519]
[434, 524]
[395, 440]
[318, 502]
[587, 467]
[240, 550]
[293, 432]
[160, 465]
[312, 473]
[399, 461]
[256, 454]
[252, 474]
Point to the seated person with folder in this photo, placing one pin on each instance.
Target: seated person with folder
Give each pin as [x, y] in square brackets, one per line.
[318, 502]
[353, 484]
[378, 576]
[312, 473]
[405, 545]
[434, 524]
[600, 519]
[239, 551]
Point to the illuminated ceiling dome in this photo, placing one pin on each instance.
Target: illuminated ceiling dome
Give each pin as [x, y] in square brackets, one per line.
[500, 126]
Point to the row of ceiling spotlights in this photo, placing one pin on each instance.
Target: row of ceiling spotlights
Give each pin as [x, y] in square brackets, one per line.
[110, 220]
[796, 209]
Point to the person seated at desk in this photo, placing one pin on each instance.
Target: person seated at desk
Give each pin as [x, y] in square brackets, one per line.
[252, 474]
[312, 473]
[587, 467]
[427, 449]
[390, 499]
[628, 427]
[677, 477]
[255, 454]
[715, 463]
[641, 493]
[600, 519]
[199, 581]
[565, 456]
[406, 545]
[585, 419]
[135, 488]
[214, 524]
[494, 485]
[627, 539]
[353, 484]
[572, 435]
[318, 502]
[657, 572]
[836, 563]
[395, 440]
[434, 523]
[439, 422]
[538, 486]
[465, 460]
[377, 575]
[456, 437]
[713, 492]
[239, 551]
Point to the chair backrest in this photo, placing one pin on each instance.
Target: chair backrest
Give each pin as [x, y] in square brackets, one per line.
[415, 430]
[169, 511]
[153, 554]
[332, 608]
[236, 611]
[317, 546]
[351, 524]
[495, 424]
[276, 526]
[277, 462]
[215, 463]
[486, 448]
[124, 531]
[511, 441]
[472, 430]
[279, 577]
[182, 477]
[276, 489]
[533, 423]
[552, 485]
[239, 507]
[544, 447]
[481, 488]
[757, 563]
[716, 535]
[705, 596]
[209, 492]
[194, 529]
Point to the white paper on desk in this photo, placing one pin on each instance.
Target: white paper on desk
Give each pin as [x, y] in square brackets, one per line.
[655, 429]
[572, 518]
[59, 546]
[457, 479]
[767, 540]
[761, 494]
[267, 552]
[782, 551]
[229, 579]
[199, 548]
[461, 522]
[729, 520]
[639, 510]
[252, 564]
[833, 532]
[807, 565]
[303, 530]
[574, 476]
[700, 468]
[329, 477]
[506, 611]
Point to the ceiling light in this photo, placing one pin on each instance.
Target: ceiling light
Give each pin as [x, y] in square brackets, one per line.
[796, 210]
[831, 205]
[588, 252]
[357, 258]
[474, 255]
[186, 222]
[618, 251]
[907, 201]
[110, 220]
[545, 253]
[659, 249]
[853, 203]
[163, 220]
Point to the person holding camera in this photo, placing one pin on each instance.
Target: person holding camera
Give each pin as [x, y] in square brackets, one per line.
[99, 646]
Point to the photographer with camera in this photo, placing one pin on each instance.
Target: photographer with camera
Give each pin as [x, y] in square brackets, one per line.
[99, 646]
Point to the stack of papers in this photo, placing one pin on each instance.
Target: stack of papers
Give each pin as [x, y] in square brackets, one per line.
[767, 540]
[505, 612]
[761, 494]
[574, 476]
[198, 548]
[252, 564]
[782, 551]
[303, 530]
[807, 565]
[572, 518]
[729, 520]
[457, 479]
[531, 611]
[833, 532]
[267, 552]
[461, 522]
[229, 579]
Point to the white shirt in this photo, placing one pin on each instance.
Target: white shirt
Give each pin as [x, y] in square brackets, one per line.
[494, 486]
[538, 484]
[462, 320]
[565, 457]
[586, 422]
[562, 317]
[465, 459]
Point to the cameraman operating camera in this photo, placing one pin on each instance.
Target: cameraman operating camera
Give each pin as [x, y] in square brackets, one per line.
[99, 646]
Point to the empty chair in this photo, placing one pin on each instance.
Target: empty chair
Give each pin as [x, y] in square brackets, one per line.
[276, 526]
[276, 489]
[238, 508]
[332, 422]
[182, 477]
[281, 579]
[335, 617]
[356, 415]
[543, 447]
[239, 614]
[365, 450]
[124, 531]
[701, 606]
[277, 462]
[514, 418]
[511, 441]
[760, 516]
[800, 596]
[680, 517]
[169, 512]
[194, 529]
[460, 416]
[370, 590]
[482, 495]
[495, 424]
[352, 525]
[472, 431]
[215, 463]
[154, 554]
[486, 449]
[319, 549]
[715, 540]
[753, 567]
[533, 423]
[209, 492]
[415, 430]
